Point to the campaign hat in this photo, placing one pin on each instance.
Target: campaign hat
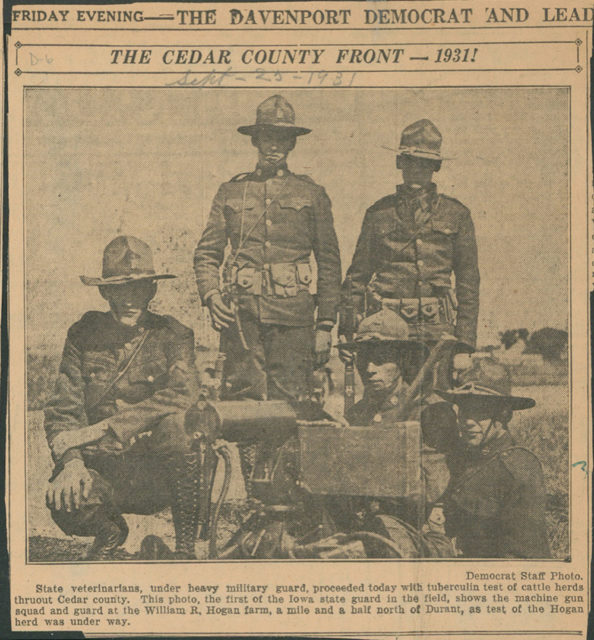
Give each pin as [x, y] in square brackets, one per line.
[421, 139]
[274, 113]
[381, 327]
[488, 381]
[126, 259]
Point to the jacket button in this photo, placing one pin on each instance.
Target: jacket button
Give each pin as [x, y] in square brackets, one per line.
[266, 266]
[447, 230]
[267, 243]
[150, 378]
[93, 375]
[420, 263]
[268, 200]
[419, 242]
[268, 223]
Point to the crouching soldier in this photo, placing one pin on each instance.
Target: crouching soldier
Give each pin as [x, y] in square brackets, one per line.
[115, 423]
[495, 503]
[396, 391]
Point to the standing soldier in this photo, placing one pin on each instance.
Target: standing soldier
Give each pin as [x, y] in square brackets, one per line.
[412, 242]
[273, 220]
[115, 423]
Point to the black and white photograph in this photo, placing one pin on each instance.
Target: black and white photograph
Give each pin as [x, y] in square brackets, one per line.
[296, 324]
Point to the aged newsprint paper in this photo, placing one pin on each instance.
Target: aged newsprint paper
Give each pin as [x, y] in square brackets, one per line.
[298, 319]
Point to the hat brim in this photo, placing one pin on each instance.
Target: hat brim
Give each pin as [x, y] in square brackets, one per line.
[376, 342]
[102, 282]
[421, 154]
[515, 403]
[253, 129]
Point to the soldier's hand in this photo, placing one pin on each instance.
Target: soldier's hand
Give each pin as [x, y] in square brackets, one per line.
[221, 315]
[77, 438]
[70, 488]
[436, 520]
[346, 355]
[322, 348]
[62, 442]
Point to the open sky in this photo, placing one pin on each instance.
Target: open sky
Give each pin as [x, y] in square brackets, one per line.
[147, 162]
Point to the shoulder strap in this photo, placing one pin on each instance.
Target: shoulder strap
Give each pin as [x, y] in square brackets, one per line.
[121, 372]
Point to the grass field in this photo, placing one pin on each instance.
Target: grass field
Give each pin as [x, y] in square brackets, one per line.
[544, 430]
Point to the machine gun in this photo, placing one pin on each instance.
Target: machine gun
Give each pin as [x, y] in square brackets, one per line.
[310, 480]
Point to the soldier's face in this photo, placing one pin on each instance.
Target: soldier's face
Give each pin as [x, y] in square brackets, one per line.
[273, 146]
[416, 172]
[129, 301]
[381, 373]
[475, 420]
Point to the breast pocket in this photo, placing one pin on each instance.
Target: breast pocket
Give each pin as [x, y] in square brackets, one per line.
[447, 228]
[292, 221]
[294, 203]
[388, 225]
[97, 369]
[236, 210]
[391, 242]
[97, 372]
[442, 237]
[152, 374]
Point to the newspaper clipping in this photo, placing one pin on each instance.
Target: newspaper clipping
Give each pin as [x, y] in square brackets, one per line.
[299, 328]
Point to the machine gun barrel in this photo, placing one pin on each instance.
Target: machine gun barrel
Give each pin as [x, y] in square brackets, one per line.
[243, 421]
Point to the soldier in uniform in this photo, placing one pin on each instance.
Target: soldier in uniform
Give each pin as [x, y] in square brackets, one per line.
[495, 503]
[115, 423]
[410, 245]
[273, 220]
[388, 362]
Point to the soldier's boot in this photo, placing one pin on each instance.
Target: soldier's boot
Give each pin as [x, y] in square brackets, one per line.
[111, 532]
[185, 474]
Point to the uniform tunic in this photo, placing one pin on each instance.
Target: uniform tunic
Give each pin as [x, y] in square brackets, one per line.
[410, 244]
[151, 396]
[273, 223]
[495, 503]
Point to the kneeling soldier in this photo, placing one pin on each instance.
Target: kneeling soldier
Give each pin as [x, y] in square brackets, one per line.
[495, 503]
[395, 391]
[115, 423]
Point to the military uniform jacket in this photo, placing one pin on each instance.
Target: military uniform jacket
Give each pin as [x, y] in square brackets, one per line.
[273, 224]
[495, 504]
[410, 244]
[159, 381]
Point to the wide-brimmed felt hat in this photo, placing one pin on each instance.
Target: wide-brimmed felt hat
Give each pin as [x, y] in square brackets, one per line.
[421, 139]
[126, 259]
[489, 382]
[274, 113]
[380, 328]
